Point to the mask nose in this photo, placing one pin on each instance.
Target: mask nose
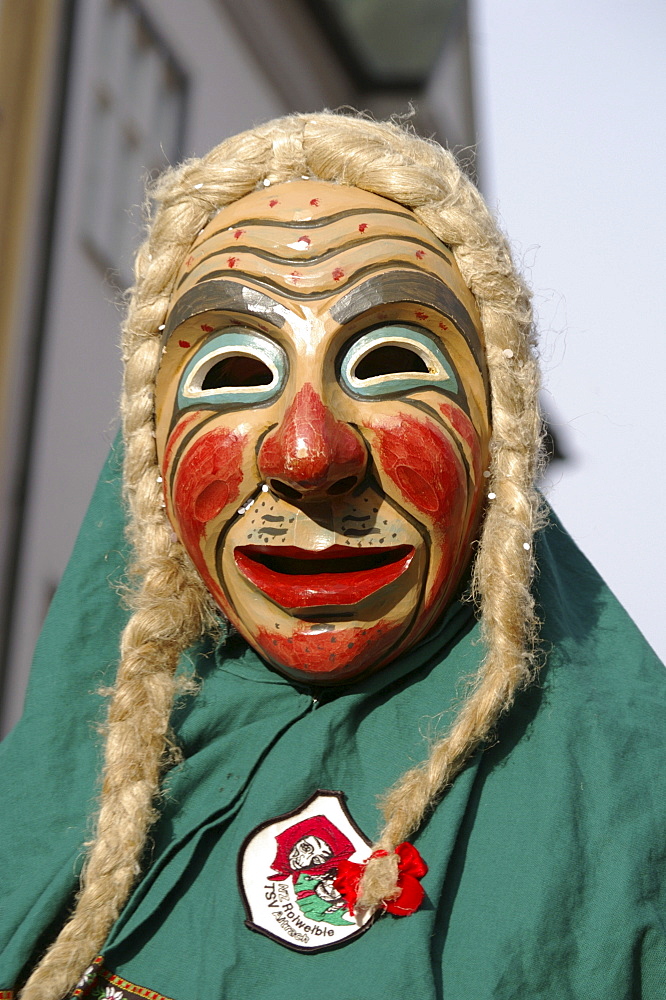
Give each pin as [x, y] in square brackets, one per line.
[311, 455]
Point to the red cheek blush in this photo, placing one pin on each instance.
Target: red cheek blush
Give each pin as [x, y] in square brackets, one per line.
[422, 463]
[212, 499]
[415, 488]
[461, 424]
[464, 427]
[208, 478]
[175, 436]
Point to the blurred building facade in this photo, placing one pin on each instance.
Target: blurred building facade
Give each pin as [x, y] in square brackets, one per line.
[96, 96]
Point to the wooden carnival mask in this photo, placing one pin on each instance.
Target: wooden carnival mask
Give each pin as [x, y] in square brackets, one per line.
[322, 424]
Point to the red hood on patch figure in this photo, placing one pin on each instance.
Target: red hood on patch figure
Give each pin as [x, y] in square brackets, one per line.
[331, 437]
[313, 846]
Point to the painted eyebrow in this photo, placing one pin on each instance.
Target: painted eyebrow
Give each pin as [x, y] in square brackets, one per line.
[408, 286]
[221, 294]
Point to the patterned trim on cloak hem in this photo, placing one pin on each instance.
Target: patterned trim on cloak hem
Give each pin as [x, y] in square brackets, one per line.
[98, 983]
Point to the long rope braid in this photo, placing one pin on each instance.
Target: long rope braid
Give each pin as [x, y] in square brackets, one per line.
[171, 608]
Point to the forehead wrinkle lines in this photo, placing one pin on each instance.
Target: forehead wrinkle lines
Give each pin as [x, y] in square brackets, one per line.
[305, 262]
[218, 293]
[320, 222]
[409, 286]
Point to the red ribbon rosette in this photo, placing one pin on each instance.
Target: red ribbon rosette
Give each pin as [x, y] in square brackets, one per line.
[411, 868]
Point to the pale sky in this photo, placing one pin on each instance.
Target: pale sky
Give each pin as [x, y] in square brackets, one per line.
[571, 107]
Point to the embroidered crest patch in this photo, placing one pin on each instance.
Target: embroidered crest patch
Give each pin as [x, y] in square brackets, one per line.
[286, 870]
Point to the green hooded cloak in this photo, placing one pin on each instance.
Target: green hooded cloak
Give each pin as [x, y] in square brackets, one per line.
[545, 858]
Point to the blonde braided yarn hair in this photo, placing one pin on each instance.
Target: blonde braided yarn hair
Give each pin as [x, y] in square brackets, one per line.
[171, 607]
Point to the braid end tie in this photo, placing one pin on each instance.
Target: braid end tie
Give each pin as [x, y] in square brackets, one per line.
[408, 894]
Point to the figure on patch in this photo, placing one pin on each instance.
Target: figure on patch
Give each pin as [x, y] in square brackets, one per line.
[343, 582]
[309, 853]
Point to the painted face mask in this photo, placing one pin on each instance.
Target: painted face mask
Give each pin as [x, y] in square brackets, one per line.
[322, 425]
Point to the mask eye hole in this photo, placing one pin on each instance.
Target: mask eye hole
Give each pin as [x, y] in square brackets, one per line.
[237, 371]
[234, 368]
[395, 359]
[389, 359]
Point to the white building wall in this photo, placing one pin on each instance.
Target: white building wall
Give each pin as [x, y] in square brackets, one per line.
[571, 115]
[80, 371]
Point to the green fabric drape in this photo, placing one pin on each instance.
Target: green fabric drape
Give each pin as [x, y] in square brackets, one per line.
[546, 857]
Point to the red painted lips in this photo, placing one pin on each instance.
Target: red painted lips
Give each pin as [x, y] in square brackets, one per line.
[301, 578]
